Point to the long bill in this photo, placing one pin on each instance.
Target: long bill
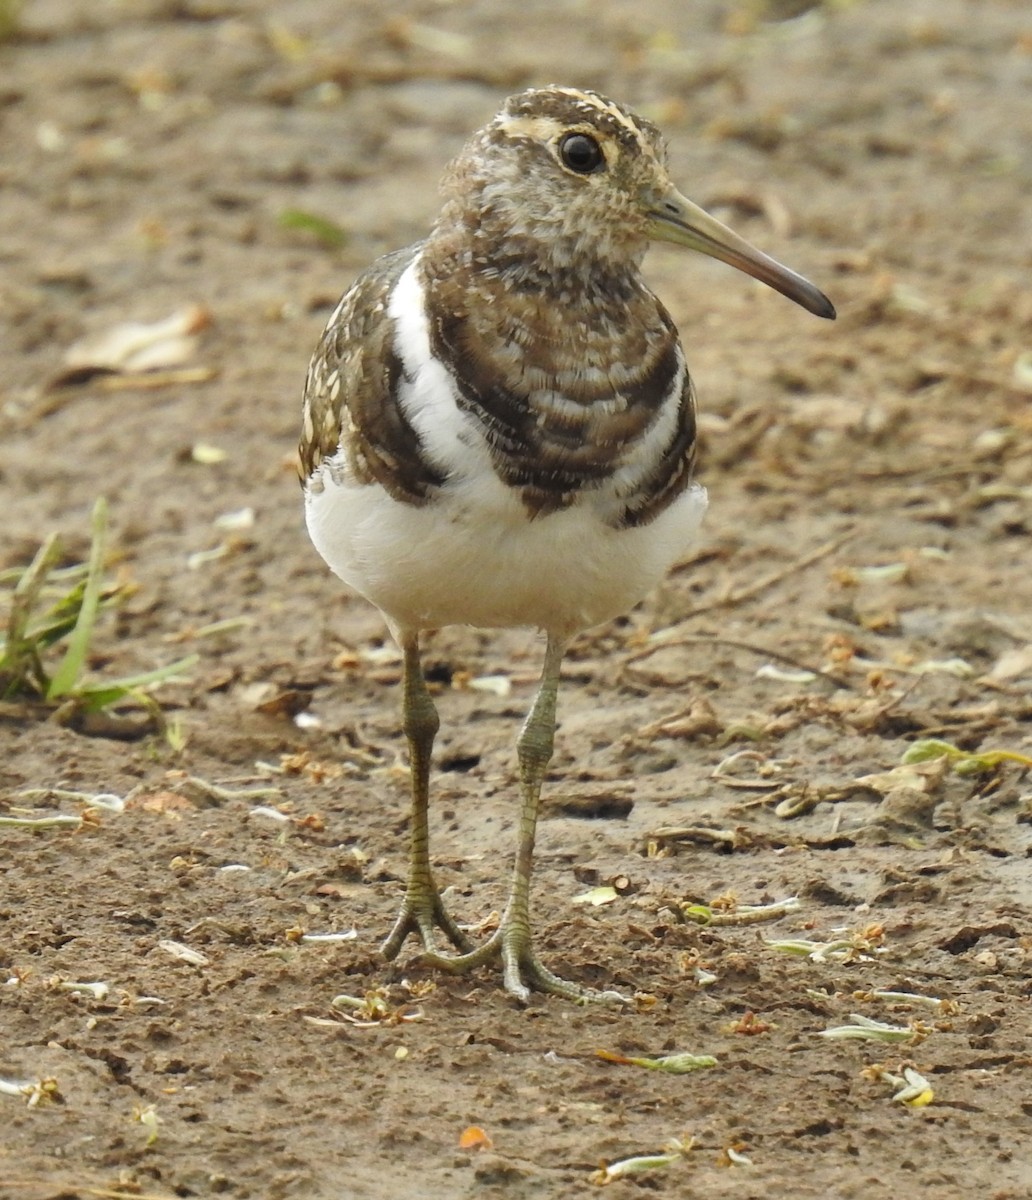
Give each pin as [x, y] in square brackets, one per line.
[674, 218]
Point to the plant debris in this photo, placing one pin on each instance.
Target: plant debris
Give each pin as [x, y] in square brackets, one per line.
[856, 947]
[597, 896]
[672, 1064]
[912, 1089]
[863, 1029]
[374, 1008]
[475, 1138]
[34, 1091]
[184, 953]
[50, 608]
[135, 347]
[964, 762]
[674, 1150]
[732, 913]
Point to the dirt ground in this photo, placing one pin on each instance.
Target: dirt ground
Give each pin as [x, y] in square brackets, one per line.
[870, 508]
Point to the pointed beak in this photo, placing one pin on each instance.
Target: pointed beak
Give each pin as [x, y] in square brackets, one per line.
[674, 218]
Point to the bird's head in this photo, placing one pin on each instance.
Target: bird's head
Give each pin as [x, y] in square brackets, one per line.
[572, 179]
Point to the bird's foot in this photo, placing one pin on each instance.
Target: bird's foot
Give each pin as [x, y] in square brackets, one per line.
[522, 970]
[421, 913]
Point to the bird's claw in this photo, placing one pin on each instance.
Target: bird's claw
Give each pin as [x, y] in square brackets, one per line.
[421, 913]
[522, 970]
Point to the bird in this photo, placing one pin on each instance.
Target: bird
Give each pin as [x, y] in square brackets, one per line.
[499, 431]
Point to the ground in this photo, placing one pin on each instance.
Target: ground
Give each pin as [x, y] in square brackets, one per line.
[870, 504]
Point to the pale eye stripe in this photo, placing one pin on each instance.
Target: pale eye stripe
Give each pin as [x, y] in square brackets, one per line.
[547, 129]
[541, 129]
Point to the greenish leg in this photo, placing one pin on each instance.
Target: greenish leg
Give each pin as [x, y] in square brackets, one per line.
[513, 941]
[422, 909]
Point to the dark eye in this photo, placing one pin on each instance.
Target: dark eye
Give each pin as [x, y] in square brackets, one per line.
[581, 153]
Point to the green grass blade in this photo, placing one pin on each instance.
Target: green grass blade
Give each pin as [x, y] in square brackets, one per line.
[51, 630]
[18, 653]
[328, 232]
[70, 670]
[99, 695]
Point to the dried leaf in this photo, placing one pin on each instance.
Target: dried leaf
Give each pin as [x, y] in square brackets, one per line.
[920, 772]
[207, 455]
[596, 896]
[136, 347]
[698, 720]
[1022, 374]
[887, 573]
[194, 957]
[161, 802]
[1013, 664]
[474, 1138]
[785, 674]
[494, 685]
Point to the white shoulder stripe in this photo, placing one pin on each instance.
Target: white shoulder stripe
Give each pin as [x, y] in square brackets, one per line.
[427, 394]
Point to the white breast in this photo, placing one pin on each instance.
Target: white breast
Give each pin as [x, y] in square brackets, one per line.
[472, 555]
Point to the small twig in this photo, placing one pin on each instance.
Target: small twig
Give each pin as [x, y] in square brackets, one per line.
[60, 821]
[215, 792]
[745, 914]
[722, 771]
[752, 590]
[693, 639]
[106, 800]
[695, 833]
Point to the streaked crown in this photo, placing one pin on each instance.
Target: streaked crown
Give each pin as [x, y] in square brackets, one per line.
[563, 168]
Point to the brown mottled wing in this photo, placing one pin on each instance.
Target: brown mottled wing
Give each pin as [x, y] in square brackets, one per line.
[350, 400]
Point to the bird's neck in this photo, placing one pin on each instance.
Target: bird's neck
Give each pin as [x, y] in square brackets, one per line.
[557, 297]
[545, 254]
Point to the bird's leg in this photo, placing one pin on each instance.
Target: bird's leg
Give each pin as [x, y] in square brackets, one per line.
[513, 942]
[422, 909]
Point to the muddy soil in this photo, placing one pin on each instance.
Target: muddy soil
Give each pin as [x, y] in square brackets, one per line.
[861, 584]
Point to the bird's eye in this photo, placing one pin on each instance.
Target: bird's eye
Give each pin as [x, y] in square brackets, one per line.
[581, 153]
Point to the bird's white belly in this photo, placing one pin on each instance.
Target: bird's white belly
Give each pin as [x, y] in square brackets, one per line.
[472, 556]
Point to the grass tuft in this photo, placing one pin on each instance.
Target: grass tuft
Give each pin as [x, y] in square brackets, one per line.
[51, 619]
